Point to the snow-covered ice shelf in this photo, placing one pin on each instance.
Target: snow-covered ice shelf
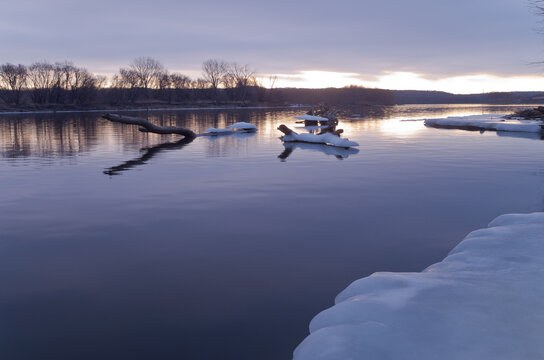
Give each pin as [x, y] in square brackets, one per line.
[487, 122]
[484, 301]
[234, 128]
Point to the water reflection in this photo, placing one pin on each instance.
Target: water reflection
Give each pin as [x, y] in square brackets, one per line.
[524, 135]
[70, 134]
[149, 153]
[44, 136]
[339, 153]
[401, 128]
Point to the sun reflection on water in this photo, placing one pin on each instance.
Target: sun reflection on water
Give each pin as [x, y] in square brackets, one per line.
[401, 127]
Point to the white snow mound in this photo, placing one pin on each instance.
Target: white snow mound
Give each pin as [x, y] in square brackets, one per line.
[214, 131]
[242, 126]
[484, 301]
[327, 138]
[488, 122]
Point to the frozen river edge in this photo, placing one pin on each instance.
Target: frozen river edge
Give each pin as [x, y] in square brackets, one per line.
[483, 301]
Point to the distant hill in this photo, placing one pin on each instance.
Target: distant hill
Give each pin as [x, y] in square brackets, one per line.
[354, 95]
[440, 97]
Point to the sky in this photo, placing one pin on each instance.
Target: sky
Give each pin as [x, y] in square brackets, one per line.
[461, 46]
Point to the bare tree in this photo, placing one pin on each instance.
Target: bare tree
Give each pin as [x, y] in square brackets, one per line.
[13, 79]
[146, 70]
[238, 79]
[84, 85]
[162, 80]
[180, 83]
[63, 76]
[272, 79]
[213, 72]
[41, 80]
[163, 83]
[127, 80]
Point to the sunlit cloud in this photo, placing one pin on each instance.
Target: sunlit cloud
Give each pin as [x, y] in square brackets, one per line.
[475, 83]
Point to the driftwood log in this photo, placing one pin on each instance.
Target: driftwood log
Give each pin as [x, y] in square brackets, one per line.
[284, 129]
[146, 126]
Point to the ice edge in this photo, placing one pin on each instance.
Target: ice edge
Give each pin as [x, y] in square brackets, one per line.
[483, 301]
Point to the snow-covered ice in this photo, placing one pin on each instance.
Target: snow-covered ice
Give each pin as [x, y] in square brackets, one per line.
[311, 118]
[242, 126]
[484, 301]
[232, 129]
[326, 138]
[488, 122]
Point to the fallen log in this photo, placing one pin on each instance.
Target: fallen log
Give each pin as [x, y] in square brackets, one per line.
[146, 126]
[284, 129]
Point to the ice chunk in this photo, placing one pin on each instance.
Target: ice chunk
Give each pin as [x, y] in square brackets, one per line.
[326, 138]
[311, 118]
[482, 302]
[242, 126]
[487, 122]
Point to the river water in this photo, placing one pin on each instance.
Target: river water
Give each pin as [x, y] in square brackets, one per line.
[115, 244]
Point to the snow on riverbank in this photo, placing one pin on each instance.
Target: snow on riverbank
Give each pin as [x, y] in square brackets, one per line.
[483, 301]
[487, 122]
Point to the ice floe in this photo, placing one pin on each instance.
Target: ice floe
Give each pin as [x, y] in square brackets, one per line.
[487, 122]
[308, 117]
[326, 138]
[243, 126]
[231, 129]
[484, 301]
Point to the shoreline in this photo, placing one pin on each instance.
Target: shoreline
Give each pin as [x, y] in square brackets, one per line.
[225, 107]
[485, 289]
[192, 108]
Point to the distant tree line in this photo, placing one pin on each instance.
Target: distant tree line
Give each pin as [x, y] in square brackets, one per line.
[146, 81]
[45, 83]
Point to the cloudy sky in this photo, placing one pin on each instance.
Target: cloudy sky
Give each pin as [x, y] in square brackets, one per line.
[458, 46]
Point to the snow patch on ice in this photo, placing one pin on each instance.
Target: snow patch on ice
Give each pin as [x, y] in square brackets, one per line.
[488, 122]
[483, 301]
[311, 118]
[232, 129]
[242, 126]
[326, 138]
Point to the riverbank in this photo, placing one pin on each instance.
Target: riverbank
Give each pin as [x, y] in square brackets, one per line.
[483, 301]
[136, 108]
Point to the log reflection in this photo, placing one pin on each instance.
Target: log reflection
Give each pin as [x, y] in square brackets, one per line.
[150, 152]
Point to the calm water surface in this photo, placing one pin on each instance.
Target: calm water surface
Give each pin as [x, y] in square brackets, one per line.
[120, 245]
